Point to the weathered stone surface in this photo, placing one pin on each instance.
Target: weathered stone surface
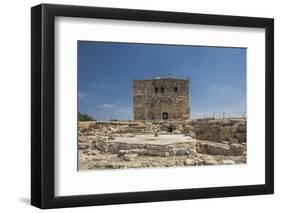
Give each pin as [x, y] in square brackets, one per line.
[212, 148]
[228, 162]
[198, 161]
[210, 162]
[236, 149]
[152, 152]
[234, 140]
[208, 131]
[163, 154]
[234, 129]
[189, 162]
[217, 150]
[129, 157]
[106, 144]
[158, 99]
[83, 146]
[132, 151]
[211, 130]
[178, 151]
[242, 127]
[221, 130]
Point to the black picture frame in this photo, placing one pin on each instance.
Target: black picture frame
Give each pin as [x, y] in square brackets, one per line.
[43, 102]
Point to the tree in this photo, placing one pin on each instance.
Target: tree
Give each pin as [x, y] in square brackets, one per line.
[84, 117]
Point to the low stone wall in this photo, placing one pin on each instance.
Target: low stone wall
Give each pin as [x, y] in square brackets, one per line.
[213, 148]
[139, 127]
[230, 130]
[140, 149]
[220, 130]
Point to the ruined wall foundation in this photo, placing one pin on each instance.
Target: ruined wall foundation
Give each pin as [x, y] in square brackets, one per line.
[161, 143]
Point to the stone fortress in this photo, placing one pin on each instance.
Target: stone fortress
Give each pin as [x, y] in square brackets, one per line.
[161, 99]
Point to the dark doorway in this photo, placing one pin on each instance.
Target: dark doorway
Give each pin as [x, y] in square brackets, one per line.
[165, 115]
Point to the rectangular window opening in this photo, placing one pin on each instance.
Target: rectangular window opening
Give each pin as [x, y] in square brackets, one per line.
[156, 89]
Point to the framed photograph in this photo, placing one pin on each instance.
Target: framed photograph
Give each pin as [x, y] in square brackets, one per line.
[136, 106]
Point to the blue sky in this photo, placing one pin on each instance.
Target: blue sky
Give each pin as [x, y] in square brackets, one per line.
[106, 71]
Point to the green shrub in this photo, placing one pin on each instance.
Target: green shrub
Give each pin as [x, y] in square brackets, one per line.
[84, 117]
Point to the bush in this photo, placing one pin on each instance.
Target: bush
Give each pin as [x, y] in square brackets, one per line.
[84, 117]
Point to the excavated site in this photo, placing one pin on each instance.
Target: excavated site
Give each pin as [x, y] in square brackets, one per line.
[140, 144]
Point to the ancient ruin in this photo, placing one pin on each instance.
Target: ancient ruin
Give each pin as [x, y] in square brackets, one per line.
[162, 133]
[139, 144]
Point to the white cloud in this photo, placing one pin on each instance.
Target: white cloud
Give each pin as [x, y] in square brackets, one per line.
[106, 106]
[225, 90]
[125, 110]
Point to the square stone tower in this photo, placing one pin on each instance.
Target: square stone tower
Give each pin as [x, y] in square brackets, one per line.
[161, 99]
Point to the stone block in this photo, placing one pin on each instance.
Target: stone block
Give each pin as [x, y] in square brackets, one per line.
[228, 162]
[210, 162]
[212, 148]
[234, 140]
[129, 157]
[236, 149]
[189, 162]
[242, 127]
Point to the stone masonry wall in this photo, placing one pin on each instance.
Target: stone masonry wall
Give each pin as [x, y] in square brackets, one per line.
[232, 130]
[154, 97]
